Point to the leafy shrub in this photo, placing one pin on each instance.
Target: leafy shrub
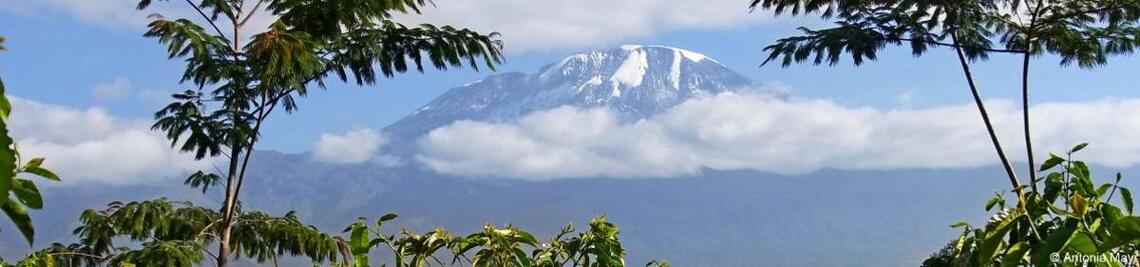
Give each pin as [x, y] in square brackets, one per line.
[168, 233]
[508, 246]
[1072, 222]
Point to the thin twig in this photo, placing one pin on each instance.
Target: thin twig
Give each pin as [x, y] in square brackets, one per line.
[251, 12]
[207, 18]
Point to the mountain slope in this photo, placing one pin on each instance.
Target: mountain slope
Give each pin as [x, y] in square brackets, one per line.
[635, 81]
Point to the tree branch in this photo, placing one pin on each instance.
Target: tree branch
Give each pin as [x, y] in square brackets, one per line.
[262, 115]
[207, 18]
[251, 12]
[956, 46]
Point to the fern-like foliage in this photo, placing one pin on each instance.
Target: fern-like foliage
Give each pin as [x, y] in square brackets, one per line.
[1082, 32]
[165, 233]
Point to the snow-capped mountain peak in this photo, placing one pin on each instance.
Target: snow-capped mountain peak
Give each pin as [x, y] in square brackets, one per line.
[690, 55]
[637, 81]
[633, 63]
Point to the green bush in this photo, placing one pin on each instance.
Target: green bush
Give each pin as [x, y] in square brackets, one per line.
[164, 233]
[508, 246]
[1072, 223]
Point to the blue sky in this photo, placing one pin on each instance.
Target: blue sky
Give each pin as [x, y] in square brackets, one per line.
[60, 51]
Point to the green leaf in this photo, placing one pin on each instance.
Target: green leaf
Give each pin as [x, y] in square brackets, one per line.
[1121, 232]
[994, 239]
[5, 104]
[41, 172]
[1082, 243]
[1126, 196]
[1110, 213]
[358, 240]
[388, 217]
[1100, 191]
[1078, 147]
[1082, 178]
[992, 202]
[28, 194]
[1054, 185]
[20, 218]
[7, 158]
[1015, 254]
[34, 163]
[1053, 161]
[1035, 205]
[1054, 242]
[526, 238]
[202, 180]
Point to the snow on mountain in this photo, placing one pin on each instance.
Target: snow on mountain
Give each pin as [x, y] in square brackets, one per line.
[636, 81]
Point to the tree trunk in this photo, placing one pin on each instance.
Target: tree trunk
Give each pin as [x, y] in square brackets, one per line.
[1025, 119]
[227, 208]
[224, 246]
[232, 182]
[986, 117]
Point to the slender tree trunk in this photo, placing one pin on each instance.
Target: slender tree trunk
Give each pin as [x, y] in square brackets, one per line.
[224, 247]
[228, 207]
[232, 180]
[1025, 119]
[986, 117]
[1036, 12]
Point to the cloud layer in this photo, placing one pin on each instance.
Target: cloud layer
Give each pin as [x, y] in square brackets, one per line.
[532, 25]
[92, 145]
[751, 132]
[116, 14]
[113, 90]
[525, 24]
[352, 147]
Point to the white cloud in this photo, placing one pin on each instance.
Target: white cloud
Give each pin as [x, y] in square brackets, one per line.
[91, 145]
[113, 90]
[525, 24]
[547, 24]
[117, 14]
[743, 131]
[106, 13]
[352, 147]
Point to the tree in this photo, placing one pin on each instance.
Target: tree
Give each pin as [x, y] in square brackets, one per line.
[1085, 32]
[865, 27]
[238, 83]
[19, 194]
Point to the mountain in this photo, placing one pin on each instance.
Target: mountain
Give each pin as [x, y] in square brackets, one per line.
[636, 81]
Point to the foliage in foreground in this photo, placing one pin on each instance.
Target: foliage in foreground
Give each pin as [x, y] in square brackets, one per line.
[1073, 222]
[507, 246]
[163, 233]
